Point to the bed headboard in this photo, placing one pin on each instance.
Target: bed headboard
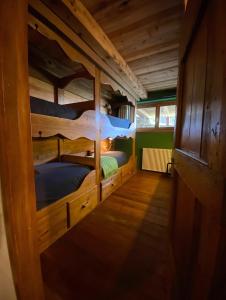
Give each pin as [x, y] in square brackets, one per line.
[81, 145]
[45, 150]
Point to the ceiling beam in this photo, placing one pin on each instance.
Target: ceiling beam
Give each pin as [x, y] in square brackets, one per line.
[159, 67]
[157, 86]
[152, 50]
[86, 19]
[159, 76]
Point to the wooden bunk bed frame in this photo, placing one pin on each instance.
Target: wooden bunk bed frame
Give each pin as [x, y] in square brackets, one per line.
[108, 185]
[109, 131]
[56, 219]
[59, 217]
[24, 244]
[48, 126]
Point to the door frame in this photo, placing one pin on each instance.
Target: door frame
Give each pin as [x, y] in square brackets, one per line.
[206, 183]
[16, 163]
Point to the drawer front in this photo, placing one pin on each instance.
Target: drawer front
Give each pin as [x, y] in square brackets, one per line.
[51, 226]
[108, 187]
[80, 207]
[127, 172]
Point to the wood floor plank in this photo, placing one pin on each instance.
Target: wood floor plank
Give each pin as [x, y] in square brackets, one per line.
[118, 252]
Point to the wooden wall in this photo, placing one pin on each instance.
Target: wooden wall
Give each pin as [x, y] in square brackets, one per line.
[45, 90]
[77, 91]
[45, 150]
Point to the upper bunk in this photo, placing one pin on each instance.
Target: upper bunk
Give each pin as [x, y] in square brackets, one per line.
[72, 110]
[62, 95]
[44, 125]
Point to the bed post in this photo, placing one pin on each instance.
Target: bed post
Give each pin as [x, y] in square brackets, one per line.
[134, 140]
[97, 87]
[16, 168]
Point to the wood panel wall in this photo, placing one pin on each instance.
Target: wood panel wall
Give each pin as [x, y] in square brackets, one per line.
[46, 150]
[77, 91]
[45, 90]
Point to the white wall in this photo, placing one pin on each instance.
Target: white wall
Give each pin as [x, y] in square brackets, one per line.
[7, 291]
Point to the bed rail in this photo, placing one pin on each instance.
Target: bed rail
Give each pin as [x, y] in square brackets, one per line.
[48, 126]
[107, 130]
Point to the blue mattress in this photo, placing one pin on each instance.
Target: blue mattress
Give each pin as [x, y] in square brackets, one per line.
[118, 122]
[56, 180]
[121, 157]
[47, 108]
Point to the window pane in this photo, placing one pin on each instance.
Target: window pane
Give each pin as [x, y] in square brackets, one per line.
[167, 116]
[146, 117]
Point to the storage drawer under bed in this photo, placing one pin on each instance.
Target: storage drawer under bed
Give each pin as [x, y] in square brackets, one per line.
[108, 186]
[77, 209]
[127, 171]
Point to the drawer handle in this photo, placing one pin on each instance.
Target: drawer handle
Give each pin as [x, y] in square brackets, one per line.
[84, 205]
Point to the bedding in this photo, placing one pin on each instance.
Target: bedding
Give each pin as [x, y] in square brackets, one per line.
[47, 108]
[121, 157]
[55, 180]
[109, 165]
[118, 122]
[43, 107]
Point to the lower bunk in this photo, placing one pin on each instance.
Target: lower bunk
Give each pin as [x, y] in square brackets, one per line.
[67, 191]
[126, 168]
[65, 194]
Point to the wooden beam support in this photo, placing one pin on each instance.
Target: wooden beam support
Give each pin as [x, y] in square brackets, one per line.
[86, 19]
[70, 51]
[53, 79]
[63, 82]
[16, 161]
[97, 92]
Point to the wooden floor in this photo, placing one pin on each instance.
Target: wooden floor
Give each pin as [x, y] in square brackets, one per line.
[120, 251]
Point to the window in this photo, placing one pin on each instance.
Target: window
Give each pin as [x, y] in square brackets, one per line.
[146, 117]
[167, 116]
[156, 116]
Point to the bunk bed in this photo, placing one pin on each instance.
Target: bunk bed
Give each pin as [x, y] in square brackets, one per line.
[59, 209]
[65, 191]
[120, 163]
[69, 185]
[51, 119]
[57, 218]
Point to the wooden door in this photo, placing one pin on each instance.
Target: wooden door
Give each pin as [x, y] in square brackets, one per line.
[198, 225]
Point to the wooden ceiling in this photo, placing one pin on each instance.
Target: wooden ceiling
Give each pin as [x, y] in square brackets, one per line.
[146, 33]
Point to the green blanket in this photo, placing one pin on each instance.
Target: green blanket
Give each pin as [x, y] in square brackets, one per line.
[109, 165]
